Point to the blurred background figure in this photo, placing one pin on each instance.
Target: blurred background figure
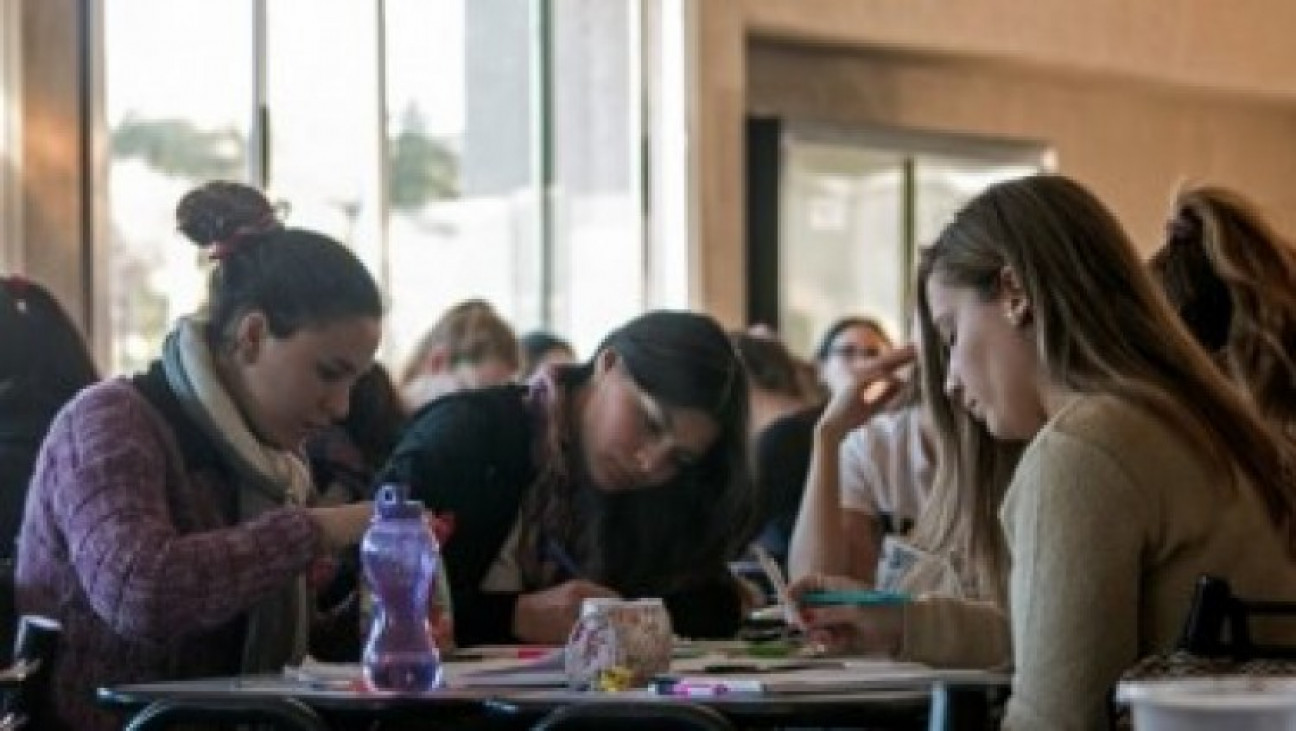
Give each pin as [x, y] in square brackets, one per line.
[847, 348]
[1232, 279]
[780, 432]
[44, 362]
[471, 346]
[541, 348]
[344, 457]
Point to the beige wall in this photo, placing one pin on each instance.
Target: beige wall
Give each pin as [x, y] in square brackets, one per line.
[1237, 46]
[1133, 96]
[1131, 142]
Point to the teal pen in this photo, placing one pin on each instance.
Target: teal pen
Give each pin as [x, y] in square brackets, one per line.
[853, 598]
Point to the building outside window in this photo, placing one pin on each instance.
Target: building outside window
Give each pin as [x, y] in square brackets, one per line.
[463, 148]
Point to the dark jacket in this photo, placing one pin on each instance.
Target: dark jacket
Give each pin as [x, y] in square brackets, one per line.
[470, 455]
[782, 465]
[22, 429]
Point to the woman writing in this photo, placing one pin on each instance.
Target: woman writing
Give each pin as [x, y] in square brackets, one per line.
[166, 526]
[1144, 467]
[622, 476]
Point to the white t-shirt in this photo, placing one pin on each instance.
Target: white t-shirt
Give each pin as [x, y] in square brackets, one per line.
[885, 470]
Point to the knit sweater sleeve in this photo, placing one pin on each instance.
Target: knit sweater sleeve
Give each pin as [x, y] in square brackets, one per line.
[956, 633]
[1074, 520]
[108, 486]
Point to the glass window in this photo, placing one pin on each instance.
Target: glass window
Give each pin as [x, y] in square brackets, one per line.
[856, 207]
[839, 250]
[10, 199]
[599, 241]
[322, 91]
[177, 104]
[463, 148]
[460, 177]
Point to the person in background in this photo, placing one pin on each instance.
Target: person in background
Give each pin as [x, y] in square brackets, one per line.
[1144, 468]
[540, 349]
[625, 475]
[847, 349]
[1232, 279]
[470, 346]
[781, 425]
[167, 527]
[869, 477]
[44, 363]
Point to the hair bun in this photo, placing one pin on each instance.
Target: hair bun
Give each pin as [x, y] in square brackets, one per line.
[221, 211]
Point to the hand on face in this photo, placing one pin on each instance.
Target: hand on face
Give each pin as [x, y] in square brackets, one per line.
[845, 630]
[867, 394]
[546, 617]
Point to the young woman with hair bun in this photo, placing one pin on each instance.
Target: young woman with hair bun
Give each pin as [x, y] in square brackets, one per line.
[167, 526]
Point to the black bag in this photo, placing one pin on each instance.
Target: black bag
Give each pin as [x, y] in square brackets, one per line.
[1216, 641]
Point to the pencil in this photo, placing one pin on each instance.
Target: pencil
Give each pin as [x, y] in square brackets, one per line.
[776, 579]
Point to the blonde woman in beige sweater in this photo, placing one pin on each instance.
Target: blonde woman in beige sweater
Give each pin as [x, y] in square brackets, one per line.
[1143, 468]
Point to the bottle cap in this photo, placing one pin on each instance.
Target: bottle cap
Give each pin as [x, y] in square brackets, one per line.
[392, 502]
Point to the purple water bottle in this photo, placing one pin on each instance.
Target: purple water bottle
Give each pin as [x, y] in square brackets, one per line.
[400, 559]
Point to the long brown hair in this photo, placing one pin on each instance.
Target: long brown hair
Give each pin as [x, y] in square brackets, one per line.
[471, 331]
[1101, 325]
[973, 470]
[1232, 279]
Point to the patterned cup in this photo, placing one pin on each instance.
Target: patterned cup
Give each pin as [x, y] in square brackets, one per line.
[618, 642]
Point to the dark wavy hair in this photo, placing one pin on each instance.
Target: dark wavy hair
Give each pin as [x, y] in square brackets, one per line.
[658, 539]
[295, 277]
[44, 360]
[770, 365]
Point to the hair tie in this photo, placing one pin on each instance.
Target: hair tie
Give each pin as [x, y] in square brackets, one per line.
[243, 236]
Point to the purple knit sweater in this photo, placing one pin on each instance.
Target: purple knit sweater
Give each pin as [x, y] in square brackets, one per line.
[135, 558]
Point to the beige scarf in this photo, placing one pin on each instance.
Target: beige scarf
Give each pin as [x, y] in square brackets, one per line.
[265, 478]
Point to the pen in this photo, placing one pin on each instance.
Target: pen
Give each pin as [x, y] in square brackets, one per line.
[697, 688]
[555, 553]
[853, 598]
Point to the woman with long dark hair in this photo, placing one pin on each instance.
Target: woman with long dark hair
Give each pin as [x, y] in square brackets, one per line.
[626, 475]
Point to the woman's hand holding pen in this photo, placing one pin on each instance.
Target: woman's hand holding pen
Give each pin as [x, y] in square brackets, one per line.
[546, 617]
[848, 630]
